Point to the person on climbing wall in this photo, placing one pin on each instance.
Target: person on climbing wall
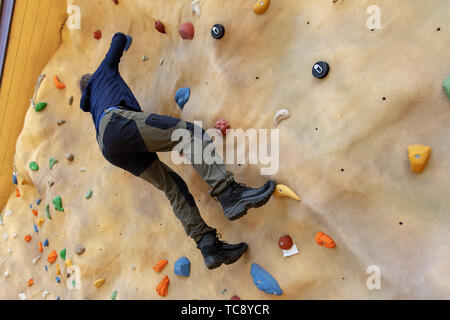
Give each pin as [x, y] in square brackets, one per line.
[129, 138]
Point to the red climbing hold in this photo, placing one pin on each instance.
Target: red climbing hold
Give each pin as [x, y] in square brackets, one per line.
[35, 212]
[285, 242]
[187, 31]
[160, 26]
[222, 125]
[98, 34]
[235, 298]
[17, 193]
[116, 2]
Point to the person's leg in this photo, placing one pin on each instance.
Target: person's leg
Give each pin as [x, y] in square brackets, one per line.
[182, 202]
[156, 135]
[118, 136]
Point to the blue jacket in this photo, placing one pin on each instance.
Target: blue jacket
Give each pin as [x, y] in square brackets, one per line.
[106, 88]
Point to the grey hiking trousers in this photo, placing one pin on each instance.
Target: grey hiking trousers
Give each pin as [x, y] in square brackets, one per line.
[130, 140]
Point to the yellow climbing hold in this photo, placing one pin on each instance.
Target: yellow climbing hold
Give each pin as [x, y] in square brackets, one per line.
[261, 6]
[40, 221]
[284, 191]
[68, 262]
[418, 157]
[98, 283]
[58, 270]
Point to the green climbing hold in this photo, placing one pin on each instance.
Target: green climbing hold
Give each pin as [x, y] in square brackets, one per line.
[57, 202]
[114, 295]
[446, 86]
[63, 254]
[47, 212]
[53, 161]
[34, 166]
[88, 194]
[40, 106]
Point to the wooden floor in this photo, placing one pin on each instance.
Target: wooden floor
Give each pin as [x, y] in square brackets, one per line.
[33, 39]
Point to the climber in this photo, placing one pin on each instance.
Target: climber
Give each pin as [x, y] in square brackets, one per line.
[129, 138]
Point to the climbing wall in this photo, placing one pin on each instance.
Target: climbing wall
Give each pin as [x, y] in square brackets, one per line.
[343, 150]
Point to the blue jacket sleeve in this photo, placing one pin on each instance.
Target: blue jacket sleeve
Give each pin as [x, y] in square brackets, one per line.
[115, 51]
[85, 102]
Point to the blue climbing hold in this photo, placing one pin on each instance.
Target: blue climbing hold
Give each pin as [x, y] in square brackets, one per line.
[58, 298]
[129, 42]
[38, 201]
[182, 267]
[182, 96]
[46, 268]
[36, 228]
[45, 244]
[31, 205]
[58, 279]
[264, 281]
[14, 178]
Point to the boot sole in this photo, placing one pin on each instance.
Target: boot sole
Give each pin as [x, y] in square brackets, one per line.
[255, 202]
[212, 264]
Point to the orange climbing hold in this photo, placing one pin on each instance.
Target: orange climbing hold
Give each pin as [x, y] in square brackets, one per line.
[27, 238]
[163, 286]
[40, 247]
[35, 212]
[418, 157]
[261, 6]
[30, 282]
[52, 257]
[160, 265]
[58, 84]
[324, 240]
[17, 193]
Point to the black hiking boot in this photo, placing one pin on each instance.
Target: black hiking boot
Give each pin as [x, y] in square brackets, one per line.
[216, 252]
[237, 198]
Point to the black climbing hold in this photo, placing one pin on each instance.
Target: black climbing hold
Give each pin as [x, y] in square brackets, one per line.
[320, 70]
[218, 31]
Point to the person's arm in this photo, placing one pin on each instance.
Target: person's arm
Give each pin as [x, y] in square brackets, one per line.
[85, 103]
[115, 51]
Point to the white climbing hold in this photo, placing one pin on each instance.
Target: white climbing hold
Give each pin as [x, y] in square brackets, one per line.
[9, 250]
[280, 115]
[161, 61]
[5, 236]
[22, 296]
[195, 7]
[83, 169]
[133, 267]
[9, 213]
[292, 251]
[7, 273]
[45, 294]
[15, 235]
[36, 259]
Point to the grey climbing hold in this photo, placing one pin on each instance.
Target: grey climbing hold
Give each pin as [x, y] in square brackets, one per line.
[70, 100]
[182, 267]
[264, 281]
[80, 249]
[182, 96]
[61, 122]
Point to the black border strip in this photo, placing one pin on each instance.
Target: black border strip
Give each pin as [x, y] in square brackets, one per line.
[7, 8]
